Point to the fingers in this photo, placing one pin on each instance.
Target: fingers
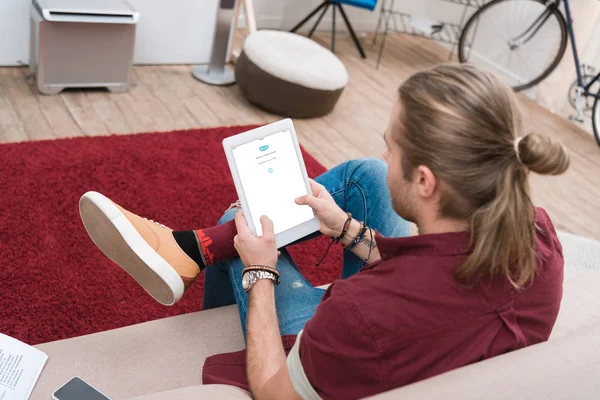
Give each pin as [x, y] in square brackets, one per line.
[302, 200]
[241, 224]
[307, 200]
[312, 200]
[267, 226]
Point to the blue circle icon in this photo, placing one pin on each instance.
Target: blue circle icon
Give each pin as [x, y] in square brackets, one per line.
[270, 170]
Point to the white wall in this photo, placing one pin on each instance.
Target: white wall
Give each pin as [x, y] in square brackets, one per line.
[169, 32]
[276, 14]
[181, 31]
[174, 31]
[14, 31]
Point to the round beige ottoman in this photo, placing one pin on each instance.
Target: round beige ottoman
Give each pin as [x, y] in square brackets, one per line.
[289, 75]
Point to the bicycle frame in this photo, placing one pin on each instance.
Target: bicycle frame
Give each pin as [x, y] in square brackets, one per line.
[530, 32]
[586, 88]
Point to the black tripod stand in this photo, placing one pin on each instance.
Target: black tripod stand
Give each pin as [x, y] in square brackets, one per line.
[324, 6]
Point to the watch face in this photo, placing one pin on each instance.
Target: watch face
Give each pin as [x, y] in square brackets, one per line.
[246, 281]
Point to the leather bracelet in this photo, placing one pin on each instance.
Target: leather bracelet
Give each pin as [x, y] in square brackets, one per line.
[344, 228]
[333, 240]
[258, 266]
[370, 247]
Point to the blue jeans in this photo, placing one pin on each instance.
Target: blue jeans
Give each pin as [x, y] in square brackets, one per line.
[358, 187]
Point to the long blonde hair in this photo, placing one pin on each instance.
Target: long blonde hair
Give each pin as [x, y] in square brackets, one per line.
[465, 125]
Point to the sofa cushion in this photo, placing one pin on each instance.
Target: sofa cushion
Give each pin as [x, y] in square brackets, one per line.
[581, 254]
[198, 392]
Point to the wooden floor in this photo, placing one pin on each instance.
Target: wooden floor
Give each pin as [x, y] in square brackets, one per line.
[167, 98]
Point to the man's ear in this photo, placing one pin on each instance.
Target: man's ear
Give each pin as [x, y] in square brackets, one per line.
[427, 183]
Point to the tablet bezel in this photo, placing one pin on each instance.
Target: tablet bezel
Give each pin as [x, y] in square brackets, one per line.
[288, 236]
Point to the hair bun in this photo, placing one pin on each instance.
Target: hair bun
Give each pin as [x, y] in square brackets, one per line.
[542, 154]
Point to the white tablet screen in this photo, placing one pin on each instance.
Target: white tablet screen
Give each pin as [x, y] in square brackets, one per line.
[272, 179]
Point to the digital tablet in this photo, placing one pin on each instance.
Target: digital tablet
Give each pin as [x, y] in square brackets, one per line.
[269, 174]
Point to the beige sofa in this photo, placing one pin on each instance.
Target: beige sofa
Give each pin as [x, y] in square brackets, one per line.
[163, 359]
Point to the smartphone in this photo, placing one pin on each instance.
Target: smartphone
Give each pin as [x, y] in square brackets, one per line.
[78, 389]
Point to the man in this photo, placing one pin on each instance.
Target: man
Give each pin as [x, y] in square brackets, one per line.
[483, 277]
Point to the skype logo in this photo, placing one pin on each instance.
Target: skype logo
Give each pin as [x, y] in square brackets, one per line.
[263, 148]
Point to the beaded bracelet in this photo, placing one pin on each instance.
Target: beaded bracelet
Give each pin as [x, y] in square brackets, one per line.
[357, 239]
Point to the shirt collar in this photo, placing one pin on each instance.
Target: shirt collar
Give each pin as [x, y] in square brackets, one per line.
[437, 244]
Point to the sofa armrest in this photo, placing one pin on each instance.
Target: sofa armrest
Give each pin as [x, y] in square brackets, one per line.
[141, 359]
[580, 306]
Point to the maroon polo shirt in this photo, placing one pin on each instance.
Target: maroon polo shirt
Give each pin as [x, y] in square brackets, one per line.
[406, 318]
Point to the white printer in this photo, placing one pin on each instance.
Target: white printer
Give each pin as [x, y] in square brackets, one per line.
[82, 43]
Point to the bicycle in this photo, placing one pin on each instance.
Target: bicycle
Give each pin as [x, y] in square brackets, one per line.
[536, 29]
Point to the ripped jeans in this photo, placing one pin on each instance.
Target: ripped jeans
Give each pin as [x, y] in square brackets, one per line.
[358, 187]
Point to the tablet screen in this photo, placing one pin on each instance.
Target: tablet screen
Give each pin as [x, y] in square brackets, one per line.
[271, 178]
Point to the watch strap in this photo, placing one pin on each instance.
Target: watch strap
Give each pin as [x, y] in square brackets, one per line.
[256, 267]
[256, 275]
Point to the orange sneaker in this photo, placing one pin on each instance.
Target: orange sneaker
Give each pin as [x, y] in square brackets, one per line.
[145, 249]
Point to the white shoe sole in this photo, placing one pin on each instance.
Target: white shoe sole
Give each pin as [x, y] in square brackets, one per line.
[112, 232]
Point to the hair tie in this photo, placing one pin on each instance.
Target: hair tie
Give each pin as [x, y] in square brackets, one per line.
[516, 144]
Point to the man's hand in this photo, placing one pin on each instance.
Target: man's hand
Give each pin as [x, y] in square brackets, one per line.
[332, 217]
[254, 250]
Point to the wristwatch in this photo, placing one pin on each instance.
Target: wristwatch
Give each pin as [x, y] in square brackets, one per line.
[251, 277]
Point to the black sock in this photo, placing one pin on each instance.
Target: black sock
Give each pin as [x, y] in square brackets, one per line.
[189, 244]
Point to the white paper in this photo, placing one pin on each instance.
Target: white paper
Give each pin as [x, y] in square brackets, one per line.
[20, 368]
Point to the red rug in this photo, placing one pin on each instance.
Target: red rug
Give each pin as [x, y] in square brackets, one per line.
[54, 283]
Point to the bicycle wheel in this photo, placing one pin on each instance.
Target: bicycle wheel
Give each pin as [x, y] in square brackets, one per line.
[493, 39]
[596, 120]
